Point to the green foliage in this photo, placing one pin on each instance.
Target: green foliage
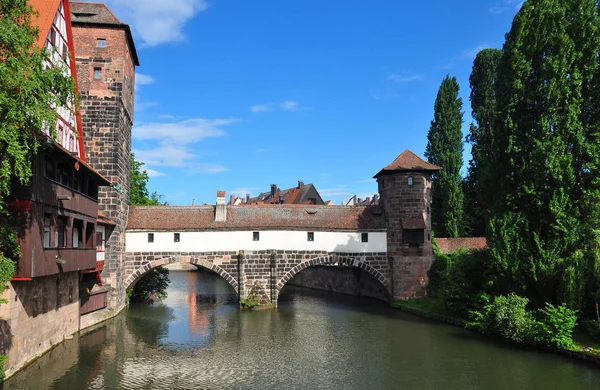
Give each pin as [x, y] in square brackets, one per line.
[138, 187]
[546, 154]
[28, 92]
[556, 326]
[249, 303]
[3, 359]
[438, 274]
[153, 284]
[445, 148]
[508, 318]
[478, 189]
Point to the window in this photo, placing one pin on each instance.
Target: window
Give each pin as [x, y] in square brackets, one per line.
[99, 242]
[413, 236]
[364, 237]
[61, 134]
[97, 73]
[410, 180]
[312, 200]
[47, 229]
[310, 236]
[101, 43]
[175, 237]
[77, 234]
[150, 237]
[65, 51]
[49, 169]
[255, 236]
[60, 233]
[63, 174]
[71, 143]
[52, 37]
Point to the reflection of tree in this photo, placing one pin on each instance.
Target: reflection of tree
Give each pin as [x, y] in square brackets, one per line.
[149, 323]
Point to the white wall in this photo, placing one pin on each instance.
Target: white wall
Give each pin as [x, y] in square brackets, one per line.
[236, 240]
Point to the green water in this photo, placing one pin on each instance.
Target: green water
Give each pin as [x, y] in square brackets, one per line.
[199, 339]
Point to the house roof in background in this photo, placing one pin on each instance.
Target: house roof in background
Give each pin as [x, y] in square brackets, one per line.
[257, 216]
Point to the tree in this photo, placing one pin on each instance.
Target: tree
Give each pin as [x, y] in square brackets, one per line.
[444, 148]
[545, 214]
[138, 187]
[28, 93]
[479, 190]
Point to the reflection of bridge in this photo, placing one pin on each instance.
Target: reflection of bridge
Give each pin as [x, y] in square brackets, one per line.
[258, 248]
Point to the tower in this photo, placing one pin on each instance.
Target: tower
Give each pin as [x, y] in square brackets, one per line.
[106, 58]
[405, 190]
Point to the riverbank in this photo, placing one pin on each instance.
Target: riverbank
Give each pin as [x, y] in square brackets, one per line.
[433, 309]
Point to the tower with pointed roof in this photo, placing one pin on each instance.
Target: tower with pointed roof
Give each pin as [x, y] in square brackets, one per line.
[106, 58]
[405, 190]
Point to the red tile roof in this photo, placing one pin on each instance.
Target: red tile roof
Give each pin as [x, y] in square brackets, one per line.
[103, 220]
[408, 161]
[294, 195]
[449, 245]
[260, 216]
[90, 12]
[47, 10]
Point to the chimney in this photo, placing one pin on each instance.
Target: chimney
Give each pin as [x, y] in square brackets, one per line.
[273, 190]
[359, 201]
[300, 183]
[280, 199]
[354, 200]
[247, 198]
[375, 198]
[368, 200]
[221, 209]
[231, 199]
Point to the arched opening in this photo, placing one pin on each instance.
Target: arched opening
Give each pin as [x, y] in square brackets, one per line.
[340, 275]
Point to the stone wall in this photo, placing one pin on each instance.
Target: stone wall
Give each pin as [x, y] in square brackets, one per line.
[107, 117]
[261, 274]
[399, 199]
[39, 314]
[341, 279]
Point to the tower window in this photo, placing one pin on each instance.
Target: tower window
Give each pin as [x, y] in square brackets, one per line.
[101, 43]
[310, 236]
[255, 236]
[364, 237]
[175, 237]
[410, 180]
[150, 237]
[97, 73]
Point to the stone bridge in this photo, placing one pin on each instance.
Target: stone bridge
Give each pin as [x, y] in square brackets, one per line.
[260, 274]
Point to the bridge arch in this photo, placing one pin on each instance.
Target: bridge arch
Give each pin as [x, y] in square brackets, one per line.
[139, 273]
[332, 260]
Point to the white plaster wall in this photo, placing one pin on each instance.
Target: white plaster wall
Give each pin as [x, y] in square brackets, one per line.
[273, 239]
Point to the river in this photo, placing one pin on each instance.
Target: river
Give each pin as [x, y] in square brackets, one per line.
[199, 339]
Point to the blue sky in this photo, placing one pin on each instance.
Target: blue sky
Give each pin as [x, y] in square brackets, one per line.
[237, 94]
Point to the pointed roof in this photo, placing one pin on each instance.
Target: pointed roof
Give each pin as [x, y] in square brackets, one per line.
[408, 161]
[46, 12]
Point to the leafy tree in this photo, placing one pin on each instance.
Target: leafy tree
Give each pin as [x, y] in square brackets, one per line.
[445, 148]
[153, 285]
[546, 203]
[478, 190]
[138, 187]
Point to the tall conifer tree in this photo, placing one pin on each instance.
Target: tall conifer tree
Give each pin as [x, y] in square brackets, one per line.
[445, 148]
[545, 213]
[481, 133]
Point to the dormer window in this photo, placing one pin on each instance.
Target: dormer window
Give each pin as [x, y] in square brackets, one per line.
[410, 180]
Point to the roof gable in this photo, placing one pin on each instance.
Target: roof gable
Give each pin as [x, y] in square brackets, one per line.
[408, 161]
[46, 10]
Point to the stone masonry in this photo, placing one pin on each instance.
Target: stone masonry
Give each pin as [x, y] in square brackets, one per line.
[261, 274]
[106, 84]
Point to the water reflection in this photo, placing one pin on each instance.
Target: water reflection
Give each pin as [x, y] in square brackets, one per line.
[198, 338]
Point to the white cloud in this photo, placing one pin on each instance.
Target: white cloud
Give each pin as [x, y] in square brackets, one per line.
[174, 144]
[366, 181]
[157, 21]
[470, 54]
[241, 192]
[142, 106]
[398, 78]
[182, 132]
[262, 107]
[506, 5]
[340, 191]
[143, 79]
[153, 173]
[290, 105]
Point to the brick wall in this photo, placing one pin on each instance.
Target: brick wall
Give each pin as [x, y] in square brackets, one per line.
[409, 268]
[107, 116]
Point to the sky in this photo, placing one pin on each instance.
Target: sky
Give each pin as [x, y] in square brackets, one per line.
[237, 95]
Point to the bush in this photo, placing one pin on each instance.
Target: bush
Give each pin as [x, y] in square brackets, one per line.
[438, 275]
[3, 359]
[508, 318]
[556, 326]
[153, 284]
